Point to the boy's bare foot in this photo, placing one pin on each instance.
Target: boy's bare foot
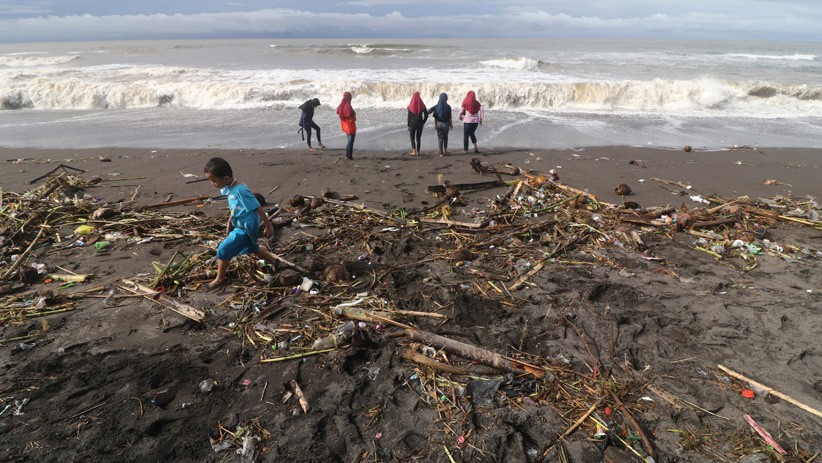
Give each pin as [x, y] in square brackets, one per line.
[310, 149]
[322, 147]
[214, 284]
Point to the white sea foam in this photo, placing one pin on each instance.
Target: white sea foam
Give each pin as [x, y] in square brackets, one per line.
[32, 60]
[361, 49]
[521, 63]
[23, 53]
[121, 86]
[793, 57]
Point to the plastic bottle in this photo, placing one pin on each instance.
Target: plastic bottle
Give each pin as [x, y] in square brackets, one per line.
[206, 385]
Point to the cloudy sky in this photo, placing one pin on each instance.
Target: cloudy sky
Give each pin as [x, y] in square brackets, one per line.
[59, 20]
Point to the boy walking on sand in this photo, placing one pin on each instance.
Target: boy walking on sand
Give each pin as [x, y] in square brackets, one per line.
[243, 221]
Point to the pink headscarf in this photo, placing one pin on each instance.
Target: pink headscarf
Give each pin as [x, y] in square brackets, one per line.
[345, 109]
[416, 106]
[470, 103]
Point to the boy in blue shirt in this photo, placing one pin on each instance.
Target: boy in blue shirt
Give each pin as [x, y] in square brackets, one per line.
[243, 221]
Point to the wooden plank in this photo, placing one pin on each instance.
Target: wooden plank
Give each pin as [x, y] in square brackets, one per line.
[168, 302]
[467, 186]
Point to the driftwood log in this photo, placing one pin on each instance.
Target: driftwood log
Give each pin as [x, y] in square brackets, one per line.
[478, 354]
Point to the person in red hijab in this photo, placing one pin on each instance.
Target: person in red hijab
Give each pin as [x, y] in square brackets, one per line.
[348, 122]
[417, 115]
[471, 115]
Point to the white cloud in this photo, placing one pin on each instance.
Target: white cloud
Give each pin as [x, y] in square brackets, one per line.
[400, 2]
[296, 23]
[12, 9]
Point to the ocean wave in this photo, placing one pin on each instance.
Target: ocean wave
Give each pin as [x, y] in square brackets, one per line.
[32, 60]
[793, 57]
[377, 49]
[115, 87]
[522, 63]
[361, 49]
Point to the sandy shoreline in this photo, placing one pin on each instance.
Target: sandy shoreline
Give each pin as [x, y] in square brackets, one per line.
[94, 373]
[599, 170]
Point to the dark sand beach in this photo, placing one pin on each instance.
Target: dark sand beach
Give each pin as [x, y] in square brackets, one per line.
[650, 331]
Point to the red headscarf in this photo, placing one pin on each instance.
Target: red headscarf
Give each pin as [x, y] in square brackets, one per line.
[416, 106]
[470, 103]
[345, 109]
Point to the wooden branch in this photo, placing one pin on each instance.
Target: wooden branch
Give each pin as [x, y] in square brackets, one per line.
[416, 357]
[363, 208]
[560, 247]
[634, 424]
[508, 193]
[711, 223]
[170, 303]
[480, 355]
[22, 256]
[488, 275]
[440, 189]
[171, 203]
[640, 221]
[289, 263]
[659, 213]
[761, 212]
[669, 182]
[453, 223]
[771, 391]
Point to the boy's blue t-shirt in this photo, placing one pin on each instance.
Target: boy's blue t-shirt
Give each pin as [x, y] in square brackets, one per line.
[243, 206]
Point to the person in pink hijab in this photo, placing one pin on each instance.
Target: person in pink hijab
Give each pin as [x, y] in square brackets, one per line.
[471, 115]
[417, 115]
[348, 122]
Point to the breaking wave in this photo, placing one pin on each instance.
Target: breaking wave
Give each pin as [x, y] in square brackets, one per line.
[522, 63]
[377, 49]
[32, 60]
[117, 87]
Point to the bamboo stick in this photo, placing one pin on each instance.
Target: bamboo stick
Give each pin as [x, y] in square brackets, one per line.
[296, 356]
[581, 419]
[771, 391]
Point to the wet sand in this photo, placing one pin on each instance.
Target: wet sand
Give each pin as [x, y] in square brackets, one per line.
[92, 372]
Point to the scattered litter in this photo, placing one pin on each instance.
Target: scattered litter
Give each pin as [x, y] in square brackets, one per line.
[206, 385]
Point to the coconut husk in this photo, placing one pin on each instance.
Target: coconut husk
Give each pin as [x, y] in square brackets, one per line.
[462, 254]
[316, 202]
[622, 189]
[289, 277]
[103, 213]
[336, 273]
[297, 201]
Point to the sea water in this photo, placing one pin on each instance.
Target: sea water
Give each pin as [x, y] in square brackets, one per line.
[537, 93]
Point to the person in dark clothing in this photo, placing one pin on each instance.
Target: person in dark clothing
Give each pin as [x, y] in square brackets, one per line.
[443, 122]
[417, 115]
[307, 121]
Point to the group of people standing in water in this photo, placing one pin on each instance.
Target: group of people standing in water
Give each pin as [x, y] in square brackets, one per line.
[471, 114]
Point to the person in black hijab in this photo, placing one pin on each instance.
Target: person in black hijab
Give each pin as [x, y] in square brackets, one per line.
[307, 121]
[443, 122]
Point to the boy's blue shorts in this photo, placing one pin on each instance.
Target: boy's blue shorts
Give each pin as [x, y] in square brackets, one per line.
[236, 243]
